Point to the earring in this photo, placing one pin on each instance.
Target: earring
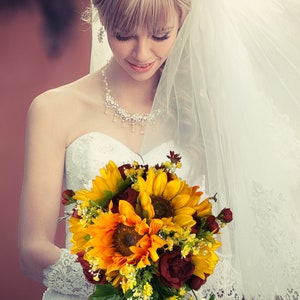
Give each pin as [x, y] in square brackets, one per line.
[100, 34]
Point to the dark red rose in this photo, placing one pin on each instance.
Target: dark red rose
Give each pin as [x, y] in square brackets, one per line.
[87, 271]
[174, 270]
[212, 225]
[130, 195]
[67, 197]
[196, 282]
[199, 223]
[225, 215]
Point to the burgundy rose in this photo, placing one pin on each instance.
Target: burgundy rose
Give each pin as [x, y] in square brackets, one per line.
[67, 197]
[225, 215]
[196, 282]
[174, 270]
[212, 225]
[199, 222]
[130, 195]
[87, 271]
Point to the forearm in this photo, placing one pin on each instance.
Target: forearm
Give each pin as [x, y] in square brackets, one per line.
[35, 257]
[56, 268]
[66, 276]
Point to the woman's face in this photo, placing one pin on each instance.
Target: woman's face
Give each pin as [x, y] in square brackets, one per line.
[142, 53]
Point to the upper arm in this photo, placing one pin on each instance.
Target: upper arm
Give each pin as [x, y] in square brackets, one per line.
[43, 173]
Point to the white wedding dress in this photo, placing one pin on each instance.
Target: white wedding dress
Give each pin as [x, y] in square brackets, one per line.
[84, 157]
[230, 90]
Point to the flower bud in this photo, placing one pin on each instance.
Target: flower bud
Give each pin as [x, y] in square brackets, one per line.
[225, 215]
[196, 282]
[67, 197]
[212, 225]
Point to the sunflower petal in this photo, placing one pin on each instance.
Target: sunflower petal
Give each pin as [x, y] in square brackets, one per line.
[146, 205]
[184, 221]
[180, 201]
[160, 184]
[127, 210]
[172, 188]
[185, 211]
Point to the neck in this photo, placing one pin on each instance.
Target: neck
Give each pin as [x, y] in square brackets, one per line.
[123, 86]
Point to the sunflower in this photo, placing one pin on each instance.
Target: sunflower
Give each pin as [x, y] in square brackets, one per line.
[118, 239]
[163, 197]
[104, 187]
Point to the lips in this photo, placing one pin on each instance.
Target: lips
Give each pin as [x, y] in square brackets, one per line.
[141, 67]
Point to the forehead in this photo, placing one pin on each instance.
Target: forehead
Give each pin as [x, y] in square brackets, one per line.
[151, 15]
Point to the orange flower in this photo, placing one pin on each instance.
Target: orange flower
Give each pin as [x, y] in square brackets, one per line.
[122, 238]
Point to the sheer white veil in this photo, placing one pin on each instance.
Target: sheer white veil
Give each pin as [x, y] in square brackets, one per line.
[230, 97]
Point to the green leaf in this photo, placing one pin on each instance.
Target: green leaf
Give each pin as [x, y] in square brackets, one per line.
[163, 291]
[87, 237]
[103, 202]
[128, 294]
[105, 292]
[123, 185]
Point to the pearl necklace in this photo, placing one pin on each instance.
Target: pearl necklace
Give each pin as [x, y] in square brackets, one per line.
[123, 114]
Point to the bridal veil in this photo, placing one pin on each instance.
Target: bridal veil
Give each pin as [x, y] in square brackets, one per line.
[230, 95]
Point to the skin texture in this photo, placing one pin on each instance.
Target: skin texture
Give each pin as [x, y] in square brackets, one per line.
[58, 117]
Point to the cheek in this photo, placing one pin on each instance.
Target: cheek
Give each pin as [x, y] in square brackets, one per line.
[166, 47]
[119, 49]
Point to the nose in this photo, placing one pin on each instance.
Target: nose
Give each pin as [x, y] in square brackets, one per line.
[142, 49]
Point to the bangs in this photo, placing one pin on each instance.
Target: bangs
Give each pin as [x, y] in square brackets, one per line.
[130, 15]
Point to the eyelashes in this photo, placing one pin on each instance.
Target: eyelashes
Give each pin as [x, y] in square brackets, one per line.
[123, 37]
[120, 37]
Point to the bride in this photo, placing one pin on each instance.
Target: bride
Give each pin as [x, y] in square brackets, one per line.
[218, 82]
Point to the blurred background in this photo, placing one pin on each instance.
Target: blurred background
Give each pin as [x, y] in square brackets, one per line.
[43, 44]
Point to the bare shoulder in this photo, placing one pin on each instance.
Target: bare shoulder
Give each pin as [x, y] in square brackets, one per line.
[64, 109]
[68, 96]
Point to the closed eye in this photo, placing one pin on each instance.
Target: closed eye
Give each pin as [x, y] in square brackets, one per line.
[161, 38]
[120, 37]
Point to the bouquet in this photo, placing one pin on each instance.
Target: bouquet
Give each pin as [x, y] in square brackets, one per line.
[141, 232]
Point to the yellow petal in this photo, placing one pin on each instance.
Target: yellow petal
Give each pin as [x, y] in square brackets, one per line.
[160, 184]
[172, 189]
[184, 221]
[146, 205]
[185, 211]
[180, 201]
[127, 210]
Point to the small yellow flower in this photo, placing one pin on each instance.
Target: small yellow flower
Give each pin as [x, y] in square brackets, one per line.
[147, 291]
[172, 298]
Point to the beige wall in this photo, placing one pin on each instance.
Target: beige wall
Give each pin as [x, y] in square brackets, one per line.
[26, 71]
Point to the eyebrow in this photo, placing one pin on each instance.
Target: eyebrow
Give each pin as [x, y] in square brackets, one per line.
[166, 29]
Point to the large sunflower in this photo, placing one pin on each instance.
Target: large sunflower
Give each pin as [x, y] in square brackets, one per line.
[117, 239]
[161, 197]
[103, 187]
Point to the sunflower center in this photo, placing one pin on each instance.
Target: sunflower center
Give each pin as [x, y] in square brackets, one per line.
[162, 207]
[125, 237]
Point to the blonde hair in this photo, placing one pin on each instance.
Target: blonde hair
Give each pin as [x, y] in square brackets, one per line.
[129, 15]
